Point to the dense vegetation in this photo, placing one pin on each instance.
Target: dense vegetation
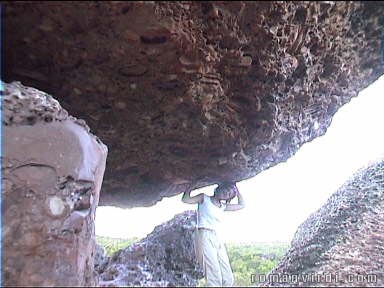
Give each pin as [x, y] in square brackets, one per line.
[254, 259]
[111, 245]
[246, 259]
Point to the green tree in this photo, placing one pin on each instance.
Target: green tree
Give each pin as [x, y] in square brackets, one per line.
[111, 245]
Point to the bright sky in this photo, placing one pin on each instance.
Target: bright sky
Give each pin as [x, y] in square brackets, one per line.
[279, 199]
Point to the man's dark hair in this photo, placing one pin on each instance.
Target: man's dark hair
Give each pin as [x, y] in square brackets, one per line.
[225, 186]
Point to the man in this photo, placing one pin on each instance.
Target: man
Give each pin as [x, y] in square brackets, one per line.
[210, 250]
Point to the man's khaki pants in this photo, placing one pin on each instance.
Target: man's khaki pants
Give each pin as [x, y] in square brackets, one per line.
[212, 256]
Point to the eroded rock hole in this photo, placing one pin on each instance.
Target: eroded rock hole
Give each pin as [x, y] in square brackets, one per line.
[153, 39]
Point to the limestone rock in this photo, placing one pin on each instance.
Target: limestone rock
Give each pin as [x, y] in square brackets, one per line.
[166, 257]
[342, 244]
[52, 170]
[195, 91]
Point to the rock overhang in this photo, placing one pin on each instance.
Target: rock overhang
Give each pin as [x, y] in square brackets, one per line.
[198, 92]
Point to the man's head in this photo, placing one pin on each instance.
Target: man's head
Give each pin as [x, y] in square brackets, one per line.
[225, 191]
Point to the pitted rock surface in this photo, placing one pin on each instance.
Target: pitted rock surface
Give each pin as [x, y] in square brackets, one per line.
[101, 258]
[195, 91]
[342, 244]
[166, 257]
[22, 109]
[52, 170]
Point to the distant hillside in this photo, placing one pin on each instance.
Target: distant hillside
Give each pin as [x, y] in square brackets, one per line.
[112, 245]
[249, 261]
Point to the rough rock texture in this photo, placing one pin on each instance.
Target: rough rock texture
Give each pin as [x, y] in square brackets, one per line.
[166, 257]
[342, 244]
[195, 91]
[52, 172]
[100, 258]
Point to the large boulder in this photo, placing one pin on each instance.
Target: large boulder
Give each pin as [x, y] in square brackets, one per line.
[52, 170]
[342, 244]
[166, 257]
[195, 91]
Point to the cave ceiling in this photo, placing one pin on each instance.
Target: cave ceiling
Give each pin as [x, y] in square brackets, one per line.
[194, 92]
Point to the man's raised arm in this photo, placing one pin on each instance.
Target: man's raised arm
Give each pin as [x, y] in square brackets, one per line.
[192, 200]
[240, 203]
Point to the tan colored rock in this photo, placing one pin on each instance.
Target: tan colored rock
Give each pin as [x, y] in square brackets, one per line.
[53, 169]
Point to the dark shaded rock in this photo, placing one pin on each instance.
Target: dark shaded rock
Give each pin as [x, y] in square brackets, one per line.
[342, 244]
[101, 258]
[166, 257]
[52, 172]
[195, 91]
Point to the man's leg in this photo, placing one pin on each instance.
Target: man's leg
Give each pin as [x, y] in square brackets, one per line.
[198, 248]
[211, 264]
[225, 267]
